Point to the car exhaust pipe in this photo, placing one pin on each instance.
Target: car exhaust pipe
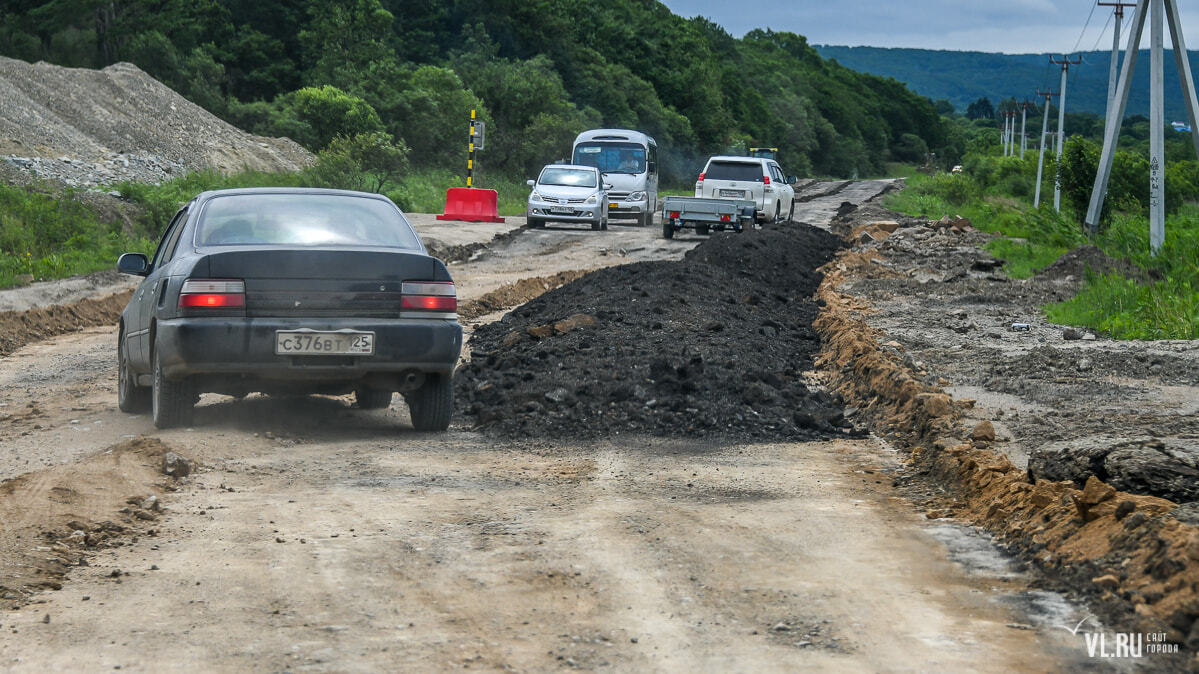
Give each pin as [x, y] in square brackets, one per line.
[411, 380]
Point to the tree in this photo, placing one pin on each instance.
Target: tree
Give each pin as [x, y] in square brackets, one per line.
[366, 161]
[342, 39]
[981, 109]
[320, 115]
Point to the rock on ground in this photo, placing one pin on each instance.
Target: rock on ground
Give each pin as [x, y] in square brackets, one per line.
[1154, 466]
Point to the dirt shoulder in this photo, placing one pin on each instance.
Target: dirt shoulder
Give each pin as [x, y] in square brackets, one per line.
[1076, 450]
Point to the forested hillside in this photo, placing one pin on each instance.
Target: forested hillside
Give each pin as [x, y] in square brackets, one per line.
[964, 77]
[403, 74]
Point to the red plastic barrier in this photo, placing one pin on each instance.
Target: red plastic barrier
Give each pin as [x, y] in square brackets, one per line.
[471, 205]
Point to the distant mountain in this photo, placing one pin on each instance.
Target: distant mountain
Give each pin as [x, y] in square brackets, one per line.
[963, 77]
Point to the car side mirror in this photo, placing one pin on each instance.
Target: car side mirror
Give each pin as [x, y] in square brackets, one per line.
[136, 264]
[791, 180]
[607, 187]
[653, 167]
[530, 183]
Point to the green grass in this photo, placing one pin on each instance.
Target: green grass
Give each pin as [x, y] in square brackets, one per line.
[50, 236]
[1032, 239]
[424, 191]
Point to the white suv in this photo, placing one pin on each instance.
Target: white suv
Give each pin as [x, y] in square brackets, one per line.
[754, 178]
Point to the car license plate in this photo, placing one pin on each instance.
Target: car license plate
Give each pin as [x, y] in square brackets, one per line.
[559, 209]
[732, 193]
[314, 343]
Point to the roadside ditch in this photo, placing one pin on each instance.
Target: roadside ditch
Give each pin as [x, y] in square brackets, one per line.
[1133, 556]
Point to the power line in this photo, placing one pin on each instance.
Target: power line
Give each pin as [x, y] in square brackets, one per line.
[1110, 18]
[1084, 29]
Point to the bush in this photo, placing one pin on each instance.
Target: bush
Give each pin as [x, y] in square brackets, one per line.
[957, 189]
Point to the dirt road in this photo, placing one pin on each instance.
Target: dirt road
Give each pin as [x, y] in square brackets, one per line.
[315, 536]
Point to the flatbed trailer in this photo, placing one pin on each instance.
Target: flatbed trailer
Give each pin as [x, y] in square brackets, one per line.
[705, 215]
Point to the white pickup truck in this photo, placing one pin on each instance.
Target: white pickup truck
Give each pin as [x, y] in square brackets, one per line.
[756, 179]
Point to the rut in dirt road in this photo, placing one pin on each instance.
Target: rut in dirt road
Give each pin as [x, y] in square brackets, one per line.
[714, 345]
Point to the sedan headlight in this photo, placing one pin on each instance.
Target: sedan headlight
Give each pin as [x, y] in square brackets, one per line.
[636, 196]
[593, 199]
[535, 196]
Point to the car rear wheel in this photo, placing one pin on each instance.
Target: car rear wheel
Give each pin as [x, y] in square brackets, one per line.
[172, 403]
[369, 398]
[131, 398]
[791, 213]
[432, 404]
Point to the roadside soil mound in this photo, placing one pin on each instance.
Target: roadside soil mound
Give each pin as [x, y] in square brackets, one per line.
[54, 517]
[1074, 265]
[18, 328]
[88, 127]
[716, 344]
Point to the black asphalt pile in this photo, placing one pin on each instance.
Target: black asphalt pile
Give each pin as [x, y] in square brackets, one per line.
[715, 345]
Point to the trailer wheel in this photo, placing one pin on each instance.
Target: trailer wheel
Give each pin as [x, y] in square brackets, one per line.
[667, 229]
[702, 230]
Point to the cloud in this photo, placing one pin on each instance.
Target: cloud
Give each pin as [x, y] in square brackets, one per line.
[1016, 26]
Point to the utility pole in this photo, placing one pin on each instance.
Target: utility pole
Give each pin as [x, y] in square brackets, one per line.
[1003, 134]
[1044, 133]
[1065, 63]
[1011, 133]
[1157, 12]
[1111, 82]
[1023, 128]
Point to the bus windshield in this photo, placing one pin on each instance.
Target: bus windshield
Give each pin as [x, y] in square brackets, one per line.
[611, 157]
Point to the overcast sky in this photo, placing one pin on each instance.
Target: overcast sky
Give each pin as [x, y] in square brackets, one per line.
[1014, 27]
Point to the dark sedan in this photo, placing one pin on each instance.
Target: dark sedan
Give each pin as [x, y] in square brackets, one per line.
[289, 291]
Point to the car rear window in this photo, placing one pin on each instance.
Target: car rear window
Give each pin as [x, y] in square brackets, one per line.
[303, 220]
[734, 170]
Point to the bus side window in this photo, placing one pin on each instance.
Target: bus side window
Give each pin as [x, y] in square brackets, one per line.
[653, 159]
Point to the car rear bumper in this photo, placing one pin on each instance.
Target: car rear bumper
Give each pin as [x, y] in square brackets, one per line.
[246, 347]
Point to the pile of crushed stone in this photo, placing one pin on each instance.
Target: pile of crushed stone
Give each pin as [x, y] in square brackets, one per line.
[87, 127]
[714, 345]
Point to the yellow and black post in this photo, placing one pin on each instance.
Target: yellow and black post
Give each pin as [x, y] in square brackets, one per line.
[470, 151]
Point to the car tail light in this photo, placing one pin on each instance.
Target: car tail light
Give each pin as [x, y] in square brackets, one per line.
[429, 299]
[766, 180]
[701, 177]
[726, 218]
[674, 215]
[212, 294]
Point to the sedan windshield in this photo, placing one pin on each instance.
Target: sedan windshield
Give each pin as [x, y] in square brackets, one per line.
[612, 157]
[303, 220]
[567, 177]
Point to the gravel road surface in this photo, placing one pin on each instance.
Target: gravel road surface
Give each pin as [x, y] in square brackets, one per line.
[315, 536]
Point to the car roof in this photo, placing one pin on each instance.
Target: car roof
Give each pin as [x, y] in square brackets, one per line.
[242, 191]
[569, 166]
[740, 160]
